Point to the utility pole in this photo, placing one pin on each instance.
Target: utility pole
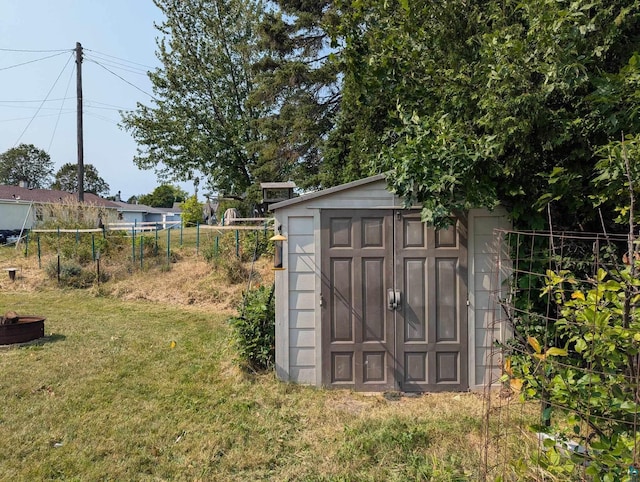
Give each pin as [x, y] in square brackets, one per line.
[79, 112]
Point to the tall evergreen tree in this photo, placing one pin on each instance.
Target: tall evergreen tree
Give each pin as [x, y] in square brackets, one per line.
[299, 82]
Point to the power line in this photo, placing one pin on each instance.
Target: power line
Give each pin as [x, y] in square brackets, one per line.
[31, 61]
[50, 90]
[119, 107]
[55, 128]
[42, 115]
[116, 66]
[102, 118]
[34, 51]
[29, 108]
[119, 58]
[122, 78]
[28, 101]
[119, 65]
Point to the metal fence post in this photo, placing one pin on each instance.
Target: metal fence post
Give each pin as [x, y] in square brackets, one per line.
[168, 246]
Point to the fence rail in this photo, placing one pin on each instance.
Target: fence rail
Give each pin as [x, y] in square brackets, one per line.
[260, 223]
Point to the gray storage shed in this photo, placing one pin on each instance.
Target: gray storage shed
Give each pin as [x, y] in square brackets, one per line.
[373, 299]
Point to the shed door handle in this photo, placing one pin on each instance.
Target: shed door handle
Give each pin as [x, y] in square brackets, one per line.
[394, 298]
[391, 300]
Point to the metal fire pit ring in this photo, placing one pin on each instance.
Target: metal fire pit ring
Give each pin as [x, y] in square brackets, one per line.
[28, 328]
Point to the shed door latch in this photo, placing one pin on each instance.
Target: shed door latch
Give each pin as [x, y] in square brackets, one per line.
[394, 299]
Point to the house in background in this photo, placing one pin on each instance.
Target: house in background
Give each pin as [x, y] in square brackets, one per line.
[139, 214]
[131, 213]
[370, 298]
[21, 208]
[166, 217]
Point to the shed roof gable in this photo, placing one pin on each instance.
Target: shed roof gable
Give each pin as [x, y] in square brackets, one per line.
[327, 192]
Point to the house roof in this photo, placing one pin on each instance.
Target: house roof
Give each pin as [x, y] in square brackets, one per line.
[50, 196]
[325, 192]
[142, 208]
[132, 208]
[166, 210]
[278, 185]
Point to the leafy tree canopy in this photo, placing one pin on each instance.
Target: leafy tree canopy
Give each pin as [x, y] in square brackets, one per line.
[66, 179]
[471, 103]
[199, 121]
[191, 211]
[26, 163]
[163, 196]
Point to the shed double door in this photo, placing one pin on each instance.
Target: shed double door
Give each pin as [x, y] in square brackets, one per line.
[394, 295]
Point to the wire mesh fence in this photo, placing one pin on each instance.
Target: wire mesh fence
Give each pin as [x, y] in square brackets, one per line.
[563, 402]
[136, 246]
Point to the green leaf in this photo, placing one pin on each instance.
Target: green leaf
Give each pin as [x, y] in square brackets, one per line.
[534, 344]
[580, 345]
[555, 351]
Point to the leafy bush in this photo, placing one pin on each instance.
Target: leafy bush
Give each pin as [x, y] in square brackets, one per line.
[254, 329]
[589, 377]
[73, 274]
[254, 244]
[191, 211]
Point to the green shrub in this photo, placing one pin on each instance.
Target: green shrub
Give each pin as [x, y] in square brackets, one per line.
[191, 211]
[72, 274]
[254, 329]
[254, 244]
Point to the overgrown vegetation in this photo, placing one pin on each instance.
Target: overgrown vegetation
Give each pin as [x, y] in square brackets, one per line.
[254, 329]
[229, 252]
[577, 343]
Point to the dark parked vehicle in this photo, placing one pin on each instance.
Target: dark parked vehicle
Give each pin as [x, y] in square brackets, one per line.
[8, 236]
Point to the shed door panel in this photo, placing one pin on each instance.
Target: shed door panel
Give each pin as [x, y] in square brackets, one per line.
[432, 323]
[358, 336]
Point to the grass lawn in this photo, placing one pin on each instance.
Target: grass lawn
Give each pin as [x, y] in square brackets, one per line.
[129, 386]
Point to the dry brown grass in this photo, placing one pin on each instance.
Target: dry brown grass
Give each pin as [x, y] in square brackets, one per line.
[29, 277]
[190, 281]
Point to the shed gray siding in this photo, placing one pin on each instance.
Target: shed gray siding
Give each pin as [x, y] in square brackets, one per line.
[486, 272]
[301, 273]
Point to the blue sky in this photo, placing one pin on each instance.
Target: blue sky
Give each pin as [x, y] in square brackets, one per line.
[117, 35]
